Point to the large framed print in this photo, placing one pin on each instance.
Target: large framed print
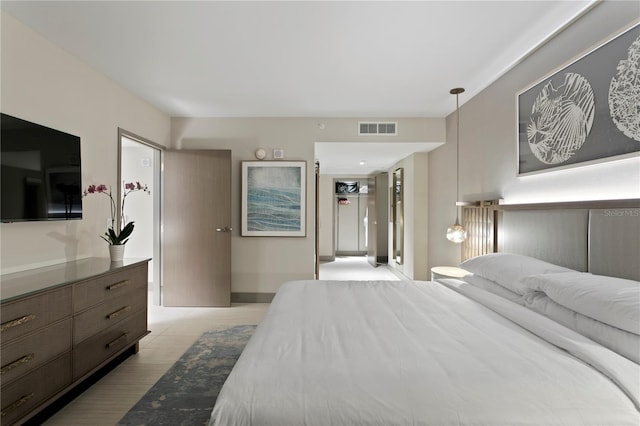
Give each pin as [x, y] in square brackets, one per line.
[586, 112]
[274, 198]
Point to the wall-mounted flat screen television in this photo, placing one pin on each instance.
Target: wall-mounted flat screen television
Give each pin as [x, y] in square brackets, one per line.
[41, 177]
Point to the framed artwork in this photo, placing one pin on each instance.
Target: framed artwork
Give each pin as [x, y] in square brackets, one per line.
[274, 198]
[584, 113]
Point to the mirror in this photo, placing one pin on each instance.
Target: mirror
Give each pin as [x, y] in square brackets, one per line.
[398, 216]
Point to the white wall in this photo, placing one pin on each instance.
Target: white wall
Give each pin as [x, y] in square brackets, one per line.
[43, 84]
[262, 264]
[488, 140]
[137, 165]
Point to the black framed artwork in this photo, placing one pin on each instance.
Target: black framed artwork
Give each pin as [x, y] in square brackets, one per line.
[586, 112]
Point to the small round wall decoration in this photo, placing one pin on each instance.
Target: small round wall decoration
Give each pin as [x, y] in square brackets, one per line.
[561, 119]
[624, 94]
[260, 154]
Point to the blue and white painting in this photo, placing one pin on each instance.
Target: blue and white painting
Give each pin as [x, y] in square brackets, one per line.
[274, 198]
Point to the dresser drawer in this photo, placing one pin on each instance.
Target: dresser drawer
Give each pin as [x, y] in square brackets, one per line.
[22, 396]
[103, 316]
[90, 293]
[90, 353]
[27, 314]
[23, 355]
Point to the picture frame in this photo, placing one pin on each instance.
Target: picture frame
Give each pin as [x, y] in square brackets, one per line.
[274, 198]
[584, 112]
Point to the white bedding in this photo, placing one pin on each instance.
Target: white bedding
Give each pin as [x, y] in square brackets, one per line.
[493, 287]
[613, 301]
[620, 341]
[408, 353]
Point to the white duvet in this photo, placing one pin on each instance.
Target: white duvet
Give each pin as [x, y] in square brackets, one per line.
[419, 353]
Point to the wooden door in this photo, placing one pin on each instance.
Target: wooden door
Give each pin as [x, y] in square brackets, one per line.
[196, 238]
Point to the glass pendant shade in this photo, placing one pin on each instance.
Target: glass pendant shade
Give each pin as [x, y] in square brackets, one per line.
[456, 233]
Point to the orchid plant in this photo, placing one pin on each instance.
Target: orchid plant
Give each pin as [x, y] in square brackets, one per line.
[122, 236]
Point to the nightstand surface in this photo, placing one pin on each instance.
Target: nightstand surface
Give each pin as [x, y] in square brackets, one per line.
[447, 272]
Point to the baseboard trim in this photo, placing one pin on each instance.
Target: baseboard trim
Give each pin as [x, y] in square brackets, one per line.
[252, 297]
[327, 258]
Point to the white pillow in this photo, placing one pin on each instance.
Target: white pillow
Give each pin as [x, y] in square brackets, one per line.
[508, 269]
[492, 287]
[620, 341]
[613, 301]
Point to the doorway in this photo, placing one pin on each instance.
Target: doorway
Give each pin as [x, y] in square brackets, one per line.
[139, 161]
[350, 216]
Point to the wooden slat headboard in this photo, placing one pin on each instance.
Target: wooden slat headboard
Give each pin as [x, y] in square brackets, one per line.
[479, 219]
[601, 237]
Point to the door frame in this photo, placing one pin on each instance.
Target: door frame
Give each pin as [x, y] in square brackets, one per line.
[156, 285]
[316, 268]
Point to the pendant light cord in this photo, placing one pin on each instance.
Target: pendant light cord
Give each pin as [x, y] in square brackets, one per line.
[457, 92]
[457, 155]
[456, 232]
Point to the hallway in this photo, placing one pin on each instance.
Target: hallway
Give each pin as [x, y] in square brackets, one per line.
[356, 268]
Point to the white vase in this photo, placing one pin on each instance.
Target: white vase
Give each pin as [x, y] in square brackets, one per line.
[116, 252]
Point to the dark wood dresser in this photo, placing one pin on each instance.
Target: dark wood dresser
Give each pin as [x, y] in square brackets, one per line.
[62, 323]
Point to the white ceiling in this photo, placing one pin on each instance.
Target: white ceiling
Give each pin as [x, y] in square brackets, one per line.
[382, 59]
[345, 158]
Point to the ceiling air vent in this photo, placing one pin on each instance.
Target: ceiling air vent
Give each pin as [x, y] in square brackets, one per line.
[377, 128]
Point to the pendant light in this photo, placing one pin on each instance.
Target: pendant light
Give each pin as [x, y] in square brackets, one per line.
[456, 233]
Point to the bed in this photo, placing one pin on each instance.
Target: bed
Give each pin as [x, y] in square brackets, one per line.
[450, 352]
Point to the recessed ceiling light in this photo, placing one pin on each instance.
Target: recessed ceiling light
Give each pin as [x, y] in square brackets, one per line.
[362, 163]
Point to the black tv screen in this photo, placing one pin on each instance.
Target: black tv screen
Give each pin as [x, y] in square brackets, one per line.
[41, 176]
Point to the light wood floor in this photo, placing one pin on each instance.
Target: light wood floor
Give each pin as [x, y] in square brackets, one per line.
[173, 331]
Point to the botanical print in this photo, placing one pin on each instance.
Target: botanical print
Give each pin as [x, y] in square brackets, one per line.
[585, 112]
[624, 94]
[561, 119]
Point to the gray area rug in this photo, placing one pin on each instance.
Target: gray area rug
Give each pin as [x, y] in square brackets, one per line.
[185, 395]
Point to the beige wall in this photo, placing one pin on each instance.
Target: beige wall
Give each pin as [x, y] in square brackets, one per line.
[326, 212]
[415, 180]
[488, 140]
[262, 264]
[44, 84]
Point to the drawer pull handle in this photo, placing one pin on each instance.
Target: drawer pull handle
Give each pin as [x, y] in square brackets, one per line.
[17, 363]
[118, 312]
[117, 285]
[118, 340]
[16, 322]
[17, 404]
